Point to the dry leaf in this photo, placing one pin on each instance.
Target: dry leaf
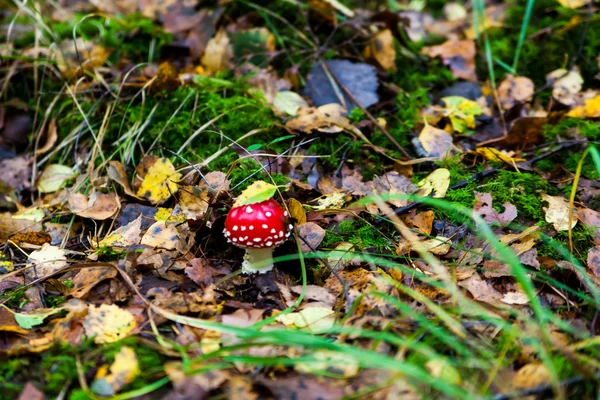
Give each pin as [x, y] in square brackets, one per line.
[297, 211]
[167, 235]
[48, 259]
[328, 362]
[566, 85]
[515, 90]
[436, 182]
[311, 235]
[459, 55]
[124, 236]
[593, 260]
[492, 154]
[435, 142]
[123, 371]
[574, 3]
[54, 178]
[116, 172]
[422, 221]
[589, 109]
[287, 102]
[481, 290]
[160, 182]
[382, 49]
[483, 207]
[316, 320]
[194, 201]
[557, 213]
[87, 278]
[532, 376]
[108, 323]
[98, 206]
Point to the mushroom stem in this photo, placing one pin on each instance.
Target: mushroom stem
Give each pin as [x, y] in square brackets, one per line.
[257, 260]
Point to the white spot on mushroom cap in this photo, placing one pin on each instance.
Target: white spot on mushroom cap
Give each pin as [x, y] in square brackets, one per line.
[268, 213]
[251, 227]
[249, 210]
[234, 239]
[285, 214]
[273, 230]
[281, 233]
[227, 233]
[257, 240]
[291, 226]
[265, 226]
[243, 228]
[249, 244]
[235, 228]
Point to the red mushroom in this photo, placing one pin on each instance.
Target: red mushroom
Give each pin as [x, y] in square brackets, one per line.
[258, 228]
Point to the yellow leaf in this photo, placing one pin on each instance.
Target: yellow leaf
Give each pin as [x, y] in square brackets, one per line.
[440, 368]
[127, 235]
[312, 319]
[437, 183]
[574, 3]
[589, 109]
[462, 112]
[565, 85]
[382, 49]
[194, 201]
[54, 178]
[435, 142]
[123, 371]
[258, 192]
[108, 323]
[297, 211]
[557, 213]
[492, 154]
[160, 182]
[330, 362]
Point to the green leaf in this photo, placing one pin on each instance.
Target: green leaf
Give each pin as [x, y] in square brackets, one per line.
[254, 146]
[34, 318]
[288, 102]
[258, 192]
[281, 139]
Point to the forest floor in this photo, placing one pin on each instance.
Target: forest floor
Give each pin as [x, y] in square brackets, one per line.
[436, 162]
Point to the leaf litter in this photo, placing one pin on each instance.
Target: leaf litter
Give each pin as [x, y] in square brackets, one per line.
[418, 186]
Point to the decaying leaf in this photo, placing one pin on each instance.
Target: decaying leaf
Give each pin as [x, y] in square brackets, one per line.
[127, 235]
[557, 213]
[593, 260]
[313, 319]
[311, 235]
[483, 207]
[438, 245]
[168, 236]
[435, 142]
[423, 221]
[288, 102]
[108, 323]
[87, 278]
[98, 205]
[459, 55]
[566, 85]
[123, 371]
[341, 256]
[589, 109]
[515, 90]
[327, 118]
[218, 53]
[160, 181]
[381, 48]
[492, 154]
[54, 177]
[531, 376]
[28, 320]
[574, 3]
[297, 211]
[194, 201]
[461, 112]
[48, 259]
[437, 183]
[481, 290]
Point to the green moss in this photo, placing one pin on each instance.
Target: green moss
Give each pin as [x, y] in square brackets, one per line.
[586, 128]
[360, 234]
[543, 53]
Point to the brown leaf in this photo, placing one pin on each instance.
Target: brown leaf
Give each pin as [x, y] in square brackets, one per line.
[422, 221]
[98, 205]
[194, 201]
[30, 392]
[435, 142]
[16, 172]
[531, 376]
[483, 207]
[481, 290]
[117, 173]
[200, 272]
[218, 54]
[311, 235]
[87, 278]
[591, 219]
[557, 213]
[51, 136]
[297, 211]
[515, 90]
[382, 49]
[327, 118]
[459, 55]
[593, 260]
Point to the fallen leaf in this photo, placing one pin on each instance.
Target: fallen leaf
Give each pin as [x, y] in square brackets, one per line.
[593, 260]
[316, 320]
[591, 219]
[311, 235]
[98, 205]
[481, 290]
[423, 221]
[358, 78]
[113, 7]
[167, 235]
[328, 118]
[436, 182]
[435, 142]
[297, 211]
[108, 323]
[28, 320]
[87, 278]
[589, 109]
[123, 371]
[48, 259]
[257, 192]
[459, 55]
[519, 298]
[515, 90]
[331, 201]
[557, 213]
[194, 201]
[342, 256]
[116, 172]
[566, 85]
[54, 177]
[160, 182]
[218, 54]
[483, 207]
[381, 48]
[440, 368]
[124, 236]
[574, 3]
[287, 102]
[492, 154]
[16, 172]
[531, 376]
[329, 363]
[461, 112]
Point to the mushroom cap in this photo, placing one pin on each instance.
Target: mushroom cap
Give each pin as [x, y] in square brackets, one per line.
[258, 225]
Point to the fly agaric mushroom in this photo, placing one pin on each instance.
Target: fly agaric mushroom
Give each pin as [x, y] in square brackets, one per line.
[258, 228]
